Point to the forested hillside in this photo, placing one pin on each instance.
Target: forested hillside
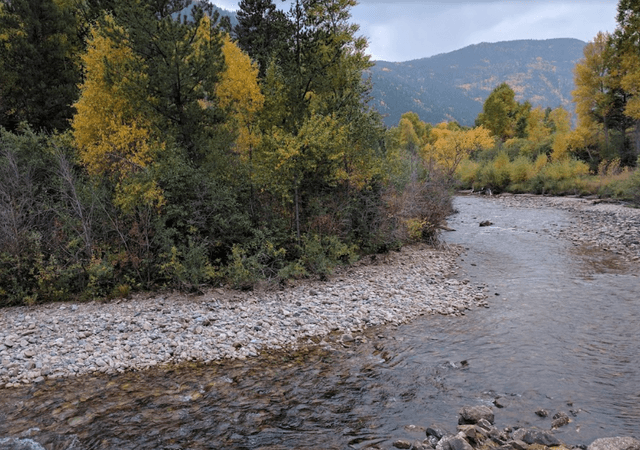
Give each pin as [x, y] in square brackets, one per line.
[453, 86]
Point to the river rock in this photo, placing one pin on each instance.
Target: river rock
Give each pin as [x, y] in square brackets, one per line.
[471, 415]
[501, 402]
[542, 412]
[484, 423]
[615, 443]
[517, 444]
[143, 331]
[437, 432]
[401, 443]
[458, 443]
[560, 419]
[474, 433]
[533, 436]
[19, 444]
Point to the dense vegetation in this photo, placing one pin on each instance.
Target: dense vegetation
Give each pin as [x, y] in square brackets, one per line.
[150, 144]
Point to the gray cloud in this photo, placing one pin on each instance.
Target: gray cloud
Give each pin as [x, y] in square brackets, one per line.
[402, 30]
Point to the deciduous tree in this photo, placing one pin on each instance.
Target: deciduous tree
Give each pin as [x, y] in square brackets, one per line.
[594, 95]
[499, 112]
[319, 132]
[451, 146]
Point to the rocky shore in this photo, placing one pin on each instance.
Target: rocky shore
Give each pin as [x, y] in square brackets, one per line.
[476, 431]
[604, 225]
[53, 341]
[65, 340]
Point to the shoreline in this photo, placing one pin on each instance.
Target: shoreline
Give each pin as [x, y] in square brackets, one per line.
[610, 227]
[67, 340]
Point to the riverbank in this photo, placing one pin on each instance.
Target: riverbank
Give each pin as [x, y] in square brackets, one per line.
[55, 341]
[606, 226]
[476, 431]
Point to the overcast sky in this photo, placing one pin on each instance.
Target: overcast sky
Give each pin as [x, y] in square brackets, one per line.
[405, 29]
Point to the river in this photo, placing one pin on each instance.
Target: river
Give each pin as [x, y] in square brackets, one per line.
[561, 333]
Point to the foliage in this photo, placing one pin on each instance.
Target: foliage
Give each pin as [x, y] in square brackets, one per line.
[594, 94]
[262, 31]
[318, 134]
[451, 146]
[188, 165]
[39, 67]
[111, 132]
[499, 112]
[239, 93]
[44, 234]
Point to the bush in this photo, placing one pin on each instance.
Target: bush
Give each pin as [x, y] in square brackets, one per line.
[495, 175]
[467, 173]
[321, 254]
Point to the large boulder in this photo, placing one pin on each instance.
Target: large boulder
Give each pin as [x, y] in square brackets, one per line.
[615, 443]
[533, 436]
[471, 415]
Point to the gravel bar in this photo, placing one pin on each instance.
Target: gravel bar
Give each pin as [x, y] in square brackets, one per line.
[66, 340]
[604, 225]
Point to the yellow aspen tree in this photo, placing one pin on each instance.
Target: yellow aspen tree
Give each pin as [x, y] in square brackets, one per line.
[111, 133]
[453, 146]
[593, 94]
[537, 131]
[561, 137]
[239, 92]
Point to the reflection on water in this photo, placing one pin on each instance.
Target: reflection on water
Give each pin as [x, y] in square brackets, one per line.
[561, 334]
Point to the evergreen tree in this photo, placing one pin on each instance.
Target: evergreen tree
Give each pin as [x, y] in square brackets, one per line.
[320, 134]
[261, 31]
[39, 70]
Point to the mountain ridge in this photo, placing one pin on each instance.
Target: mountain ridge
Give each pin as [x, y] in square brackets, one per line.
[453, 85]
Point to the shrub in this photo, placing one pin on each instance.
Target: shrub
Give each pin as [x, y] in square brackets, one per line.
[467, 172]
[321, 254]
[256, 261]
[521, 170]
[495, 174]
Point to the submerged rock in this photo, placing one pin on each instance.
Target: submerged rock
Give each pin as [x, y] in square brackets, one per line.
[534, 436]
[560, 419]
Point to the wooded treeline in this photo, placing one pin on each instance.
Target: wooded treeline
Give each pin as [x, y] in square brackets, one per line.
[147, 144]
[539, 151]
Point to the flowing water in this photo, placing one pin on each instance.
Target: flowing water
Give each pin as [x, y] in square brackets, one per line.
[561, 333]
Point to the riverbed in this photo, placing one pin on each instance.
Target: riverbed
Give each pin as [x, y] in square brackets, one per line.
[559, 333]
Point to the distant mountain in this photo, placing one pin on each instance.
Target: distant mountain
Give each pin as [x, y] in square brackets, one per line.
[453, 86]
[226, 13]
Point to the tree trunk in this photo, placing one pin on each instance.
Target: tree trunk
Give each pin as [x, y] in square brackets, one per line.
[636, 138]
[297, 212]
